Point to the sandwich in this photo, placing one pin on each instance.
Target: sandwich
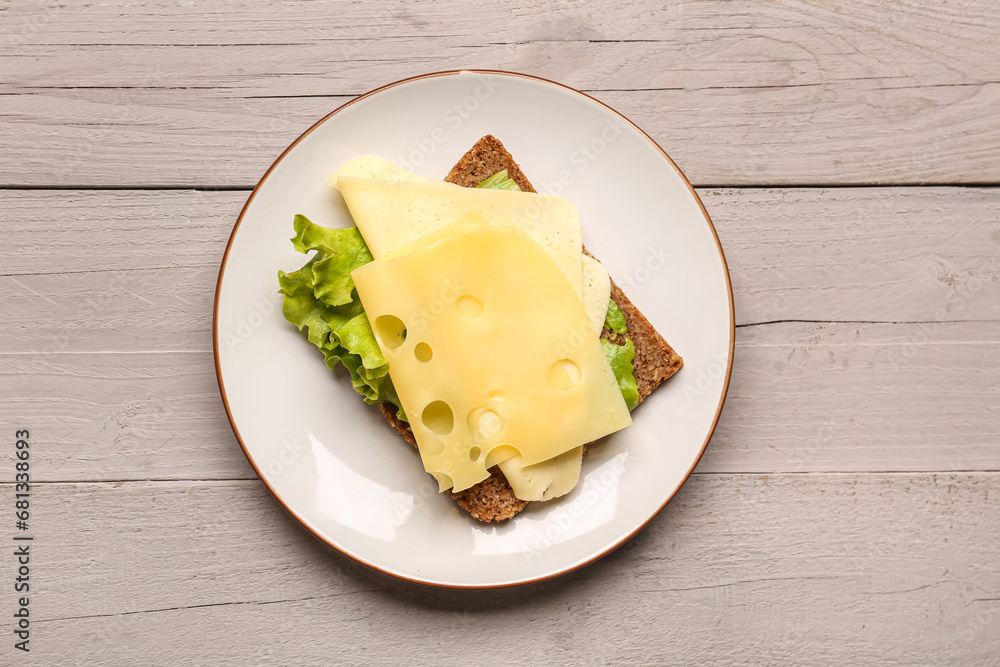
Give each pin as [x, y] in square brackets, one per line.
[423, 303]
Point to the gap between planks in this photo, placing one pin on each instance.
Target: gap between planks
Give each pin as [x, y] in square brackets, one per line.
[697, 186]
[234, 481]
[208, 350]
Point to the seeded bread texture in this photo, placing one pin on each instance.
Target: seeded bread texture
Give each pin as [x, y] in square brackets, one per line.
[483, 160]
[655, 361]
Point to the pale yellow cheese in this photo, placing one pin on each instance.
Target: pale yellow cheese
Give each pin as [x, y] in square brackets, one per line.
[596, 292]
[596, 284]
[374, 166]
[546, 480]
[490, 351]
[391, 214]
[557, 476]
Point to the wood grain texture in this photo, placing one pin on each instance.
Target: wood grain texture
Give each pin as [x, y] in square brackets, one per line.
[803, 397]
[145, 278]
[738, 92]
[846, 511]
[754, 569]
[107, 351]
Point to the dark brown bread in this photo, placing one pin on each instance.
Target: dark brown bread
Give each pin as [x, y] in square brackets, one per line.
[655, 361]
[483, 160]
[490, 500]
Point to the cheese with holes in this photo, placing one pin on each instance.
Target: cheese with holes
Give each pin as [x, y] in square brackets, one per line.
[391, 214]
[490, 350]
[548, 479]
[596, 284]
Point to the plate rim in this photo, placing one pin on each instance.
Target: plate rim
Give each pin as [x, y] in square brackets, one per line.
[396, 575]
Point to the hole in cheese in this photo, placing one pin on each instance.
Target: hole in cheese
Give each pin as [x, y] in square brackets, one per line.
[501, 453]
[391, 331]
[524, 297]
[483, 423]
[469, 306]
[433, 447]
[438, 417]
[423, 352]
[564, 374]
[475, 453]
[444, 481]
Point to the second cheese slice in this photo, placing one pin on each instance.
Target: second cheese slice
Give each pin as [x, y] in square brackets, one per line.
[391, 214]
[490, 350]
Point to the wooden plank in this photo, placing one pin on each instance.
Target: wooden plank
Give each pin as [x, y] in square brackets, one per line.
[871, 254]
[868, 336]
[737, 570]
[860, 397]
[804, 397]
[107, 416]
[738, 92]
[110, 270]
[917, 40]
[73, 232]
[147, 279]
[845, 134]
[108, 351]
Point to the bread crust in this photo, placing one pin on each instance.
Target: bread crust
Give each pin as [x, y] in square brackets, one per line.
[493, 499]
[483, 160]
[655, 360]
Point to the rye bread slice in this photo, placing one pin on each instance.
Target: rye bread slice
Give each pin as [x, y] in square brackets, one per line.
[655, 361]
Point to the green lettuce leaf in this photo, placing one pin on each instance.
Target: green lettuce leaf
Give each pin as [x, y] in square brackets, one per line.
[340, 252]
[614, 320]
[499, 181]
[321, 299]
[620, 357]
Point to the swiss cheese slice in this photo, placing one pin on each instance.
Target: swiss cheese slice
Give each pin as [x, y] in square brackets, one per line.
[490, 351]
[391, 214]
[596, 285]
[557, 476]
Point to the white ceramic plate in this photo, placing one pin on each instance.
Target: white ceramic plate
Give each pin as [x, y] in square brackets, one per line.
[335, 464]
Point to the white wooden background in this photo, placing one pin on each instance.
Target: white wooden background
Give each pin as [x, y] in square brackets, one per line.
[848, 508]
